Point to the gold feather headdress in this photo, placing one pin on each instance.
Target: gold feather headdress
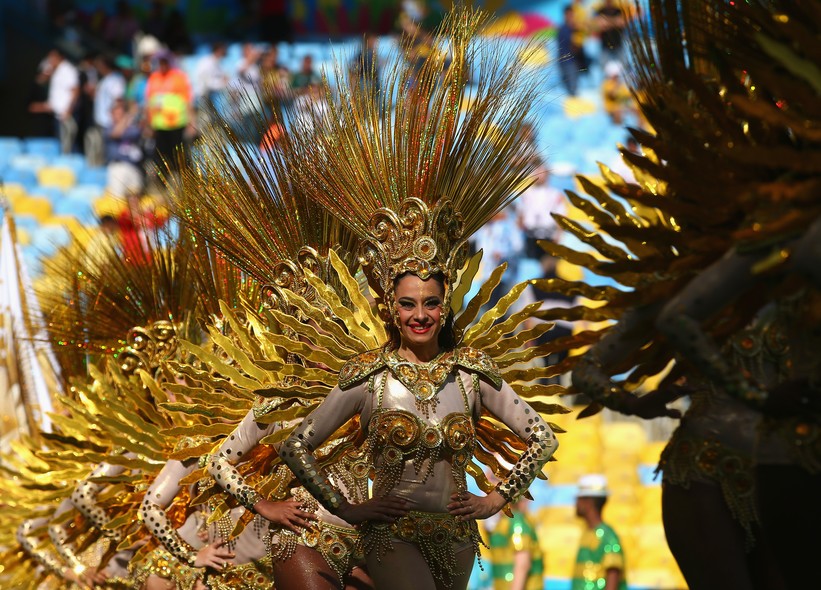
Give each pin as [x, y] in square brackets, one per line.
[417, 163]
[237, 197]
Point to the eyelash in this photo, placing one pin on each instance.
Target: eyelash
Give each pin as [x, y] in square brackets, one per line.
[428, 304]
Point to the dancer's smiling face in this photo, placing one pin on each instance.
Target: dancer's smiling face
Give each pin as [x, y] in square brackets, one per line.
[419, 308]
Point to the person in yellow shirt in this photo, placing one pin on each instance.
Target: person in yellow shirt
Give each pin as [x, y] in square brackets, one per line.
[169, 108]
[615, 93]
[600, 561]
[516, 561]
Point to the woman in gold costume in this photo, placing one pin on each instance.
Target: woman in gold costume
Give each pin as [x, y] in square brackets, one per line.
[413, 182]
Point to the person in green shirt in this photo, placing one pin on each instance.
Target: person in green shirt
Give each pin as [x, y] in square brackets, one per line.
[600, 561]
[515, 555]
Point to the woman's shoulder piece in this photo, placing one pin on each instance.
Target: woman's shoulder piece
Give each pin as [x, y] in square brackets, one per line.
[360, 367]
[474, 360]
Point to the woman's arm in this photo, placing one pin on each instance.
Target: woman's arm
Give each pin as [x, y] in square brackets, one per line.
[84, 497]
[528, 425]
[59, 538]
[30, 544]
[297, 451]
[236, 446]
[159, 497]
[221, 467]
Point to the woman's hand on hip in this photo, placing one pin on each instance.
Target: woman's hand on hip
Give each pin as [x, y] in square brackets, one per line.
[467, 506]
[386, 509]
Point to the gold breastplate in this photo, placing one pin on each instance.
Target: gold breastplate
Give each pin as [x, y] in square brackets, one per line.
[396, 436]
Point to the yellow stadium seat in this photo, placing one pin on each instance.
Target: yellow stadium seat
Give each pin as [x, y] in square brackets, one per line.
[560, 565]
[13, 191]
[71, 223]
[37, 207]
[63, 178]
[575, 107]
[23, 237]
[108, 205]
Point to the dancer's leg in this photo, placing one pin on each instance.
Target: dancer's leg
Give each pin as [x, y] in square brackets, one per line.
[404, 568]
[358, 579]
[155, 582]
[306, 569]
[705, 539]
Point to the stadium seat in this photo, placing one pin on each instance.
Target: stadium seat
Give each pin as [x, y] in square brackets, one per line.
[49, 238]
[26, 222]
[48, 147]
[75, 162]
[39, 208]
[25, 178]
[32, 162]
[80, 209]
[86, 192]
[63, 178]
[97, 176]
[11, 145]
[52, 193]
[12, 191]
[108, 205]
[69, 222]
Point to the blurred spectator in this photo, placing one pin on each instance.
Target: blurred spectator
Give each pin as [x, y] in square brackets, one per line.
[616, 95]
[137, 224]
[84, 112]
[306, 76]
[110, 88]
[534, 210]
[515, 555]
[600, 561]
[175, 33]
[135, 91]
[169, 109]
[210, 80]
[366, 64]
[310, 107]
[275, 77]
[63, 95]
[501, 241]
[572, 58]
[124, 153]
[248, 69]
[610, 21]
[121, 28]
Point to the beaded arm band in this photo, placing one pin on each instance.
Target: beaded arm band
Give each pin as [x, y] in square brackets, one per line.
[298, 456]
[540, 447]
[59, 539]
[230, 479]
[157, 522]
[42, 556]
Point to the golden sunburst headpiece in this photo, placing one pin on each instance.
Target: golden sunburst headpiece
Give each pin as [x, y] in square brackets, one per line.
[415, 239]
[416, 160]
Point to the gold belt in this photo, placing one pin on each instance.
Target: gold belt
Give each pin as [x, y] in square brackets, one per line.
[160, 562]
[435, 533]
[339, 546]
[256, 575]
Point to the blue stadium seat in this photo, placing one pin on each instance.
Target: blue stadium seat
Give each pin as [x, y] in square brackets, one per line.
[47, 147]
[31, 162]
[26, 222]
[81, 210]
[93, 176]
[27, 178]
[9, 147]
[75, 162]
[47, 239]
[85, 193]
[52, 193]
